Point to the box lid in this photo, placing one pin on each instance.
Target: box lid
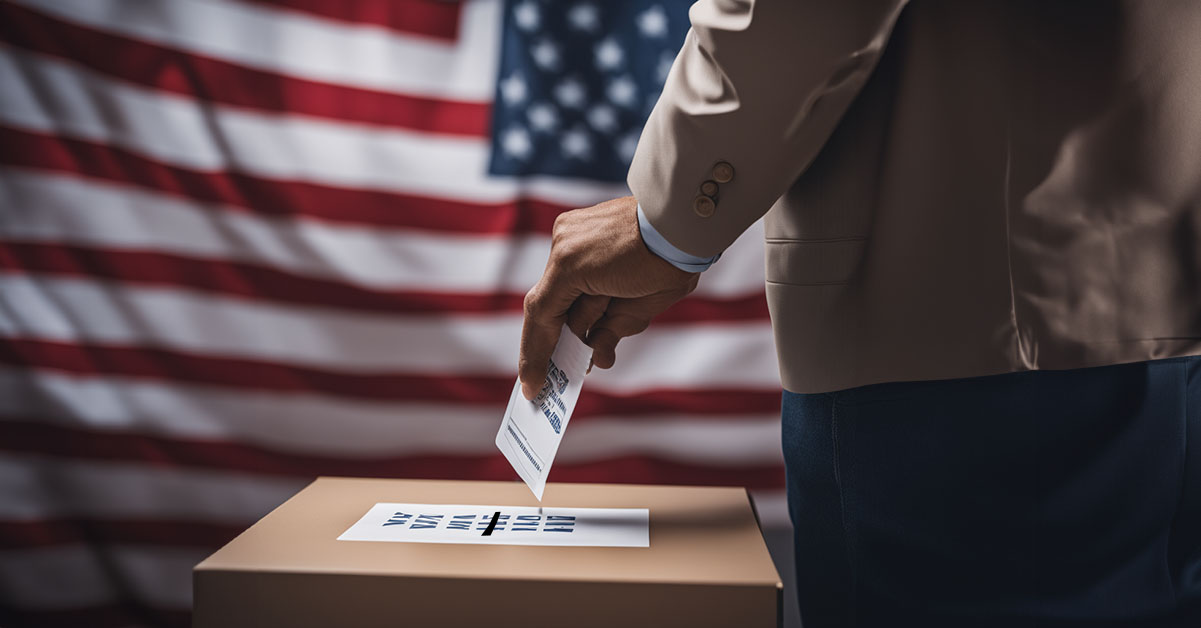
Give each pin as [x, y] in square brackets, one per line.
[697, 535]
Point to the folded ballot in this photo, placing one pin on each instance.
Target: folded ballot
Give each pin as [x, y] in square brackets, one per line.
[531, 430]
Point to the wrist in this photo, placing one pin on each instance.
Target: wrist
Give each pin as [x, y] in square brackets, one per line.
[659, 245]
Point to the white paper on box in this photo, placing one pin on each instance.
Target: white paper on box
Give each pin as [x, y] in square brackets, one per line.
[502, 525]
[531, 431]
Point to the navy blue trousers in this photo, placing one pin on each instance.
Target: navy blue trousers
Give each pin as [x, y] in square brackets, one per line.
[1044, 498]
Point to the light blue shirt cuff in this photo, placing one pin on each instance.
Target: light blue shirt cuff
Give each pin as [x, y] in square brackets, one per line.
[661, 247]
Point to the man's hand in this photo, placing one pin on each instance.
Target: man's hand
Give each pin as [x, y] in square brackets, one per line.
[602, 281]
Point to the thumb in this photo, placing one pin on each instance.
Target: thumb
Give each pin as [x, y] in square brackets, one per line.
[546, 308]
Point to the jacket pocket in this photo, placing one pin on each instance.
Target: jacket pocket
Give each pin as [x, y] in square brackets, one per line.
[813, 262]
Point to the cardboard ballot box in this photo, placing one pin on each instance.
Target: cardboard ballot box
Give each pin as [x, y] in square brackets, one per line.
[704, 562]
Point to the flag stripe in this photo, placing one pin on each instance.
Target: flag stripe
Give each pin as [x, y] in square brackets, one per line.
[309, 424]
[102, 532]
[213, 80]
[252, 281]
[318, 49]
[432, 18]
[238, 279]
[35, 436]
[283, 198]
[158, 364]
[669, 356]
[55, 208]
[46, 95]
[55, 488]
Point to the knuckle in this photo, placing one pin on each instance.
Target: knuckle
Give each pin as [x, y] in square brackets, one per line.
[567, 257]
[564, 253]
[531, 305]
[565, 237]
[559, 226]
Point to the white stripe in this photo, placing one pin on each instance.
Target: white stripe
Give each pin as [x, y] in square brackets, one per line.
[42, 94]
[78, 576]
[290, 43]
[314, 424]
[37, 487]
[65, 209]
[81, 310]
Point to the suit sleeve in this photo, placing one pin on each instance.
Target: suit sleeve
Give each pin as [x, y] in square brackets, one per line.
[753, 95]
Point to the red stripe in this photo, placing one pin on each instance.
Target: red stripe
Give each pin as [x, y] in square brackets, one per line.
[158, 532]
[274, 197]
[217, 81]
[432, 18]
[160, 364]
[115, 615]
[254, 281]
[34, 436]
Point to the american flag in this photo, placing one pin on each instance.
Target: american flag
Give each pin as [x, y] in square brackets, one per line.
[248, 242]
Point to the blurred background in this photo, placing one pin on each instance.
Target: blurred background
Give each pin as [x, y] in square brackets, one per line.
[244, 243]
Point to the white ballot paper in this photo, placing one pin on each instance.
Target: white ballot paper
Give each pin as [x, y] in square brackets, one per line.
[531, 430]
[502, 525]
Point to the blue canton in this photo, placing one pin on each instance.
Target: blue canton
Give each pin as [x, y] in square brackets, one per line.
[577, 81]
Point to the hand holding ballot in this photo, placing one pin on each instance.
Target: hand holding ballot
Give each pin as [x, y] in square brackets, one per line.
[602, 282]
[600, 285]
[531, 430]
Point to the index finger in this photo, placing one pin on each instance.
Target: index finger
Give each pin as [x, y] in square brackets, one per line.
[545, 307]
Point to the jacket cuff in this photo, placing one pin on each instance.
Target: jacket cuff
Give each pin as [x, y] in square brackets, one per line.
[674, 256]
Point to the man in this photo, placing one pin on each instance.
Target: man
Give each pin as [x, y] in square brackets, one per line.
[984, 275]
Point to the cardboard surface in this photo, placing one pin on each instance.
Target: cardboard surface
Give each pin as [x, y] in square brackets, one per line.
[707, 564]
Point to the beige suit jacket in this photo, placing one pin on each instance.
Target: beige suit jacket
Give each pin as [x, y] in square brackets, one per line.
[956, 188]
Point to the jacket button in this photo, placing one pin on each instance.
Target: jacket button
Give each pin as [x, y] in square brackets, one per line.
[703, 206]
[723, 172]
[709, 188]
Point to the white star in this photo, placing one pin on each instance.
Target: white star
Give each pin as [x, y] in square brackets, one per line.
[622, 91]
[512, 89]
[653, 22]
[608, 54]
[543, 117]
[664, 66]
[526, 15]
[571, 93]
[603, 118]
[627, 145]
[546, 54]
[576, 144]
[584, 16]
[516, 142]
